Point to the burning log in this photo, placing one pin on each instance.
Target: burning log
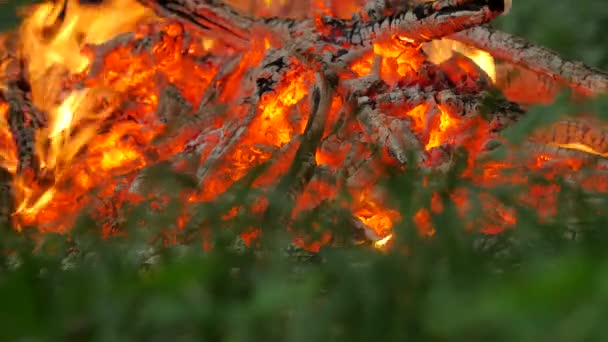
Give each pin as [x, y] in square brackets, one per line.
[424, 22]
[7, 199]
[304, 163]
[396, 136]
[574, 135]
[421, 23]
[463, 105]
[314, 107]
[376, 9]
[519, 51]
[23, 117]
[524, 86]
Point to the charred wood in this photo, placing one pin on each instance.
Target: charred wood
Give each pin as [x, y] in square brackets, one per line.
[424, 22]
[23, 116]
[7, 199]
[574, 133]
[563, 151]
[519, 51]
[304, 164]
[499, 111]
[392, 133]
[421, 23]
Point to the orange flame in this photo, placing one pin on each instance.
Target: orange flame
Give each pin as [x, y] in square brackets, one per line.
[81, 92]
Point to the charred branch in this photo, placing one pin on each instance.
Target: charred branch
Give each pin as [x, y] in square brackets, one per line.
[421, 23]
[213, 18]
[7, 199]
[425, 22]
[392, 133]
[519, 51]
[304, 164]
[23, 116]
[574, 134]
[499, 111]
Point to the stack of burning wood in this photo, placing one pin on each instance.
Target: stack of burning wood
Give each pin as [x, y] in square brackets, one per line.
[318, 106]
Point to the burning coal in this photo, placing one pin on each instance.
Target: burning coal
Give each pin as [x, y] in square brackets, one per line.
[93, 95]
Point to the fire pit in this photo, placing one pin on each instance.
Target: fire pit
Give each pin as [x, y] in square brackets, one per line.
[96, 97]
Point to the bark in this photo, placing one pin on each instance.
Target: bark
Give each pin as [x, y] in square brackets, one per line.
[560, 151]
[519, 51]
[425, 22]
[392, 133]
[23, 117]
[7, 199]
[172, 104]
[525, 86]
[571, 133]
[422, 23]
[213, 17]
[500, 112]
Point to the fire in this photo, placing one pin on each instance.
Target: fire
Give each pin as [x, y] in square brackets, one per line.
[418, 115]
[372, 213]
[105, 87]
[583, 148]
[439, 135]
[56, 34]
[441, 50]
[383, 242]
[274, 111]
[52, 38]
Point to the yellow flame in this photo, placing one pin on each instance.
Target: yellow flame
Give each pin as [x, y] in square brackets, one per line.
[581, 147]
[383, 242]
[208, 43]
[437, 135]
[58, 42]
[30, 209]
[441, 50]
[274, 112]
[52, 38]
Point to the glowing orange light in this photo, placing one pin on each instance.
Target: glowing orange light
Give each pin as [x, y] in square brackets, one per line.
[438, 135]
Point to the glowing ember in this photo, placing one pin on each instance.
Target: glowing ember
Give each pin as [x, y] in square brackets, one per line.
[383, 242]
[439, 135]
[118, 96]
[441, 50]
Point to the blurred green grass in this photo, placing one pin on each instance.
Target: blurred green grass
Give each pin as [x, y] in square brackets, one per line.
[528, 284]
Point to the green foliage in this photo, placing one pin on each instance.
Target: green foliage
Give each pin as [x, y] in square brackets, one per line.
[529, 283]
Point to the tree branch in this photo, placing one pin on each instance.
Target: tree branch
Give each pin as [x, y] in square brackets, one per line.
[519, 51]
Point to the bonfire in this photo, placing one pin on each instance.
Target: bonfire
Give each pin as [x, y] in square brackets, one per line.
[306, 102]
